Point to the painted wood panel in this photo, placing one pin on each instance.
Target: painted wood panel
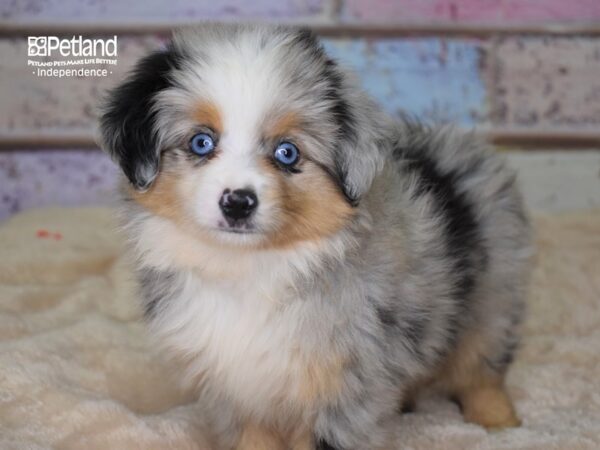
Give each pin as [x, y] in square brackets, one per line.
[32, 179]
[432, 78]
[435, 79]
[30, 102]
[153, 10]
[543, 82]
[472, 11]
[370, 11]
[558, 181]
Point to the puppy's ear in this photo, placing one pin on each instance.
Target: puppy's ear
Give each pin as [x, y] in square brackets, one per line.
[362, 128]
[127, 125]
[360, 159]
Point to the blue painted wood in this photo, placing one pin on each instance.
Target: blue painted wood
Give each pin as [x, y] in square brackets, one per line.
[436, 79]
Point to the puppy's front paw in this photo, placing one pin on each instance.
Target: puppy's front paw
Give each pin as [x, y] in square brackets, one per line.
[489, 407]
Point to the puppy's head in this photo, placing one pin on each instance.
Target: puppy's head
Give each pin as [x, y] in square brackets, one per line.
[246, 135]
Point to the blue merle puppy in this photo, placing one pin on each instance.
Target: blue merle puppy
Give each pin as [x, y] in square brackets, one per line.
[310, 263]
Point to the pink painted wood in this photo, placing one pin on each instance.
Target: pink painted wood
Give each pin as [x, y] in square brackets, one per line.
[154, 10]
[542, 82]
[473, 11]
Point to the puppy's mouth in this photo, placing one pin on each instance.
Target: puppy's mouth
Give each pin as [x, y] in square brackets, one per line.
[237, 231]
[237, 227]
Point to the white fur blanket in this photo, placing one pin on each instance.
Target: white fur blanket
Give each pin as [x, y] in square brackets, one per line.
[76, 370]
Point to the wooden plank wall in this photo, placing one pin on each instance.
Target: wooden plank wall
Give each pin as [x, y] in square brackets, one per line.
[542, 83]
[493, 12]
[521, 71]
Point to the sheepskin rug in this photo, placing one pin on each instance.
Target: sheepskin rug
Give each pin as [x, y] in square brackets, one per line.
[77, 372]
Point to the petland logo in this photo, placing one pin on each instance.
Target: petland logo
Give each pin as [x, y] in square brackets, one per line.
[76, 46]
[60, 58]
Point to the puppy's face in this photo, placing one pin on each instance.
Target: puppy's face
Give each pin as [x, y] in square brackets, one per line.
[243, 138]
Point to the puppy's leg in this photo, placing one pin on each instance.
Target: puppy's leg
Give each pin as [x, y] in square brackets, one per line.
[478, 385]
[363, 417]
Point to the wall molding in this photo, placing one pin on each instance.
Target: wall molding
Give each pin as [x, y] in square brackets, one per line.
[542, 138]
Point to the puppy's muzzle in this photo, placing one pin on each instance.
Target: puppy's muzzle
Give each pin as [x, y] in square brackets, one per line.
[237, 206]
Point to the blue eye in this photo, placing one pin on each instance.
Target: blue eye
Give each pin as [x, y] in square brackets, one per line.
[286, 153]
[202, 144]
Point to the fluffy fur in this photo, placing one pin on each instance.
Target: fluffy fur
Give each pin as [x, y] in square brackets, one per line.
[392, 257]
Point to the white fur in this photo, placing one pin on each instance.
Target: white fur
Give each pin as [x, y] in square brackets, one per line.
[238, 317]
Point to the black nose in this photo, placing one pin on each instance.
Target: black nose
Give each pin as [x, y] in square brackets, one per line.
[238, 204]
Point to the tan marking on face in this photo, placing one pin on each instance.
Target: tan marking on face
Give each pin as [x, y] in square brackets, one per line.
[208, 114]
[185, 238]
[162, 198]
[165, 199]
[311, 205]
[283, 126]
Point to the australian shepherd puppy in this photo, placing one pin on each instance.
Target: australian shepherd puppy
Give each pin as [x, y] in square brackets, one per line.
[311, 263]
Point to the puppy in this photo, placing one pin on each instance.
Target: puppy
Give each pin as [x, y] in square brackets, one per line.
[310, 263]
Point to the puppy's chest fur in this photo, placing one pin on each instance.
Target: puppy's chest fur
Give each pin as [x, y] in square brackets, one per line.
[254, 339]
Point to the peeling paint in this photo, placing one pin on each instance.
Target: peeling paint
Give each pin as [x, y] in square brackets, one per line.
[435, 79]
[55, 177]
[546, 82]
[30, 102]
[154, 10]
[472, 11]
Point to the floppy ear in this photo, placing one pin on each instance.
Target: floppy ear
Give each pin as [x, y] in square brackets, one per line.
[361, 157]
[362, 132]
[127, 124]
